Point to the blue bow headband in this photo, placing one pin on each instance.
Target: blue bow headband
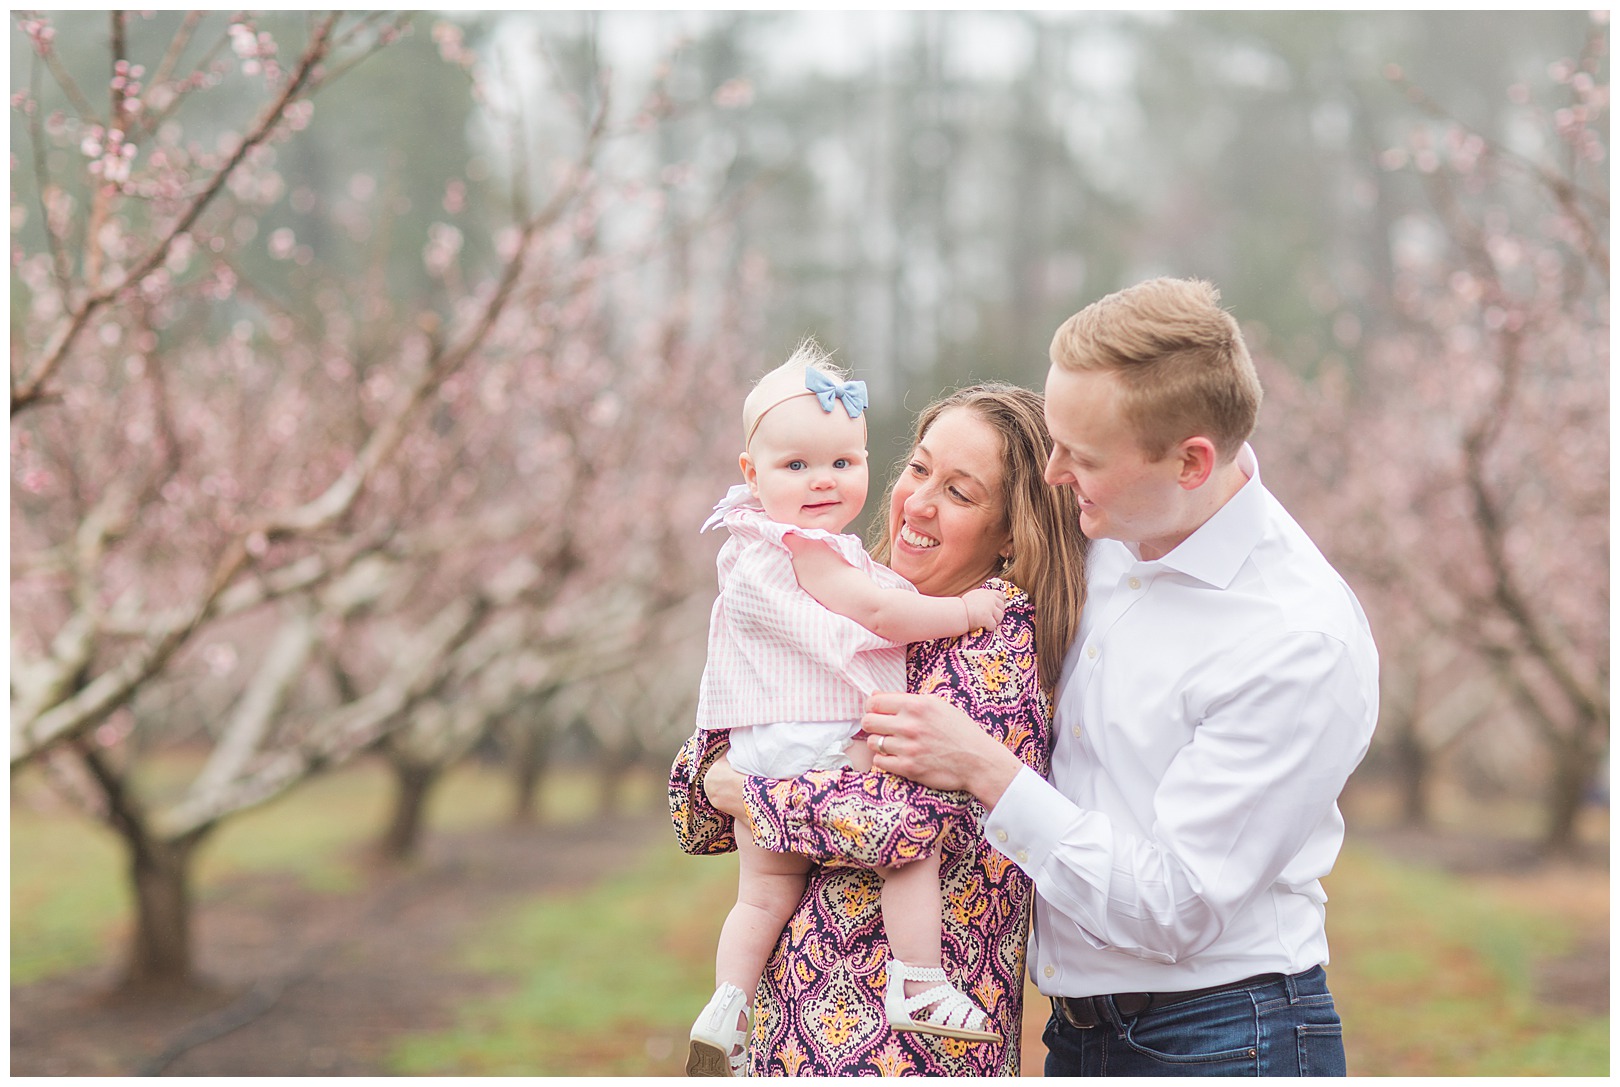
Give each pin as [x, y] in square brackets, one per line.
[827, 389]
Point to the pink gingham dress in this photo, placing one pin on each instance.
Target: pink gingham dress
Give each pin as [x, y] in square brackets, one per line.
[775, 653]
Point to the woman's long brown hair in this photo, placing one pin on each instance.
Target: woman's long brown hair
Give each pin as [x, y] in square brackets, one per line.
[1048, 556]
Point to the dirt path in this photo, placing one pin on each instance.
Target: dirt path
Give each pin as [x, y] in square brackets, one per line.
[308, 984]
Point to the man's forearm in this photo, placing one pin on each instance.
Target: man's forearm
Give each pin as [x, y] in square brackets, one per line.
[989, 777]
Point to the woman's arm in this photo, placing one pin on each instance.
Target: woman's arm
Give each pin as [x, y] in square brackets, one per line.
[848, 816]
[896, 614]
[833, 816]
[700, 827]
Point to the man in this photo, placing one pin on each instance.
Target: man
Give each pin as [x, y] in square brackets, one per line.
[1222, 687]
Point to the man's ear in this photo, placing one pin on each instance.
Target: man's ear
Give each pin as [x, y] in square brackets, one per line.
[750, 473]
[1197, 462]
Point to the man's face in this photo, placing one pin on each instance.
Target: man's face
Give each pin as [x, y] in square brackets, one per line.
[1095, 453]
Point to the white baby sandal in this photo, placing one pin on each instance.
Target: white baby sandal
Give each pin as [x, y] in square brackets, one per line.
[718, 1047]
[953, 1014]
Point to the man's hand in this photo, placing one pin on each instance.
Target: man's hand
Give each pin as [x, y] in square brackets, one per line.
[935, 744]
[724, 788]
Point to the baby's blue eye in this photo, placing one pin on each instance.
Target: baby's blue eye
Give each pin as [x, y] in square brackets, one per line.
[841, 462]
[796, 465]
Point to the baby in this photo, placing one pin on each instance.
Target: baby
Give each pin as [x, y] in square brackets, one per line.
[790, 665]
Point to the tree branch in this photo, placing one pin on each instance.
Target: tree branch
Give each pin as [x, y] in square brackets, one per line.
[342, 733]
[28, 392]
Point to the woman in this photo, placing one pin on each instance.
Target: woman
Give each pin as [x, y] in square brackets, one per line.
[972, 484]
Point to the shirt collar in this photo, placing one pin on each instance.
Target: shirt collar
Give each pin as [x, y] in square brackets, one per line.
[1219, 547]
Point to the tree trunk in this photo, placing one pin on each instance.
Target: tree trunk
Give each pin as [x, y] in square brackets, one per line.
[530, 758]
[1414, 769]
[413, 783]
[160, 876]
[1575, 764]
[611, 768]
[615, 765]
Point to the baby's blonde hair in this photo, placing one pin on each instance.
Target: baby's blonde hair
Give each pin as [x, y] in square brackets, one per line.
[786, 382]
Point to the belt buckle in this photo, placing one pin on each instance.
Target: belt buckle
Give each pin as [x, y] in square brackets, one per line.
[1127, 1005]
[1066, 1007]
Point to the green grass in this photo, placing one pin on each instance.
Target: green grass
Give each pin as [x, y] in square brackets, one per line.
[1434, 975]
[66, 894]
[606, 982]
[70, 903]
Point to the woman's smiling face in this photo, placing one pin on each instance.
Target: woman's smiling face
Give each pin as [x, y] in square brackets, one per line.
[948, 527]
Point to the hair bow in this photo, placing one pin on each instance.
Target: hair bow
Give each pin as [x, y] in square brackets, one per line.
[852, 393]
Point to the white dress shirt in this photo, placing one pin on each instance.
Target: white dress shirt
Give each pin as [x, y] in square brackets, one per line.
[1210, 710]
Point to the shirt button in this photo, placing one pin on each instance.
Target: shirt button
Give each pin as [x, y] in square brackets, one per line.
[1023, 856]
[1076, 732]
[1049, 971]
[1091, 652]
[1001, 836]
[1135, 583]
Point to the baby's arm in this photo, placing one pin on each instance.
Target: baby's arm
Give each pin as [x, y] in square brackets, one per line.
[894, 614]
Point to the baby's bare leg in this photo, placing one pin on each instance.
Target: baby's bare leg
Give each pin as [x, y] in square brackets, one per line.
[911, 900]
[768, 891]
[912, 915]
[860, 753]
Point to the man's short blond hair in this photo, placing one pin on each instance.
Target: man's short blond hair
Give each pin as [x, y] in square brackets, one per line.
[1180, 358]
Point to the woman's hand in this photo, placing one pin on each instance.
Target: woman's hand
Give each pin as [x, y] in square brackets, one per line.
[933, 743]
[724, 788]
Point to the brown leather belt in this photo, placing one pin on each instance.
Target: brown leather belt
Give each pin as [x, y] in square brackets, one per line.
[1086, 1012]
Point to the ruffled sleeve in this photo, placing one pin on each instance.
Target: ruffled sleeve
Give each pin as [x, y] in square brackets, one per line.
[749, 523]
[700, 827]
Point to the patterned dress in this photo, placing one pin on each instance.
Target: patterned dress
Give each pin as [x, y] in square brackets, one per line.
[819, 1008]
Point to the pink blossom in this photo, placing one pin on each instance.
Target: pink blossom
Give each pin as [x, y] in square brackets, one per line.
[444, 242]
[734, 93]
[282, 243]
[40, 34]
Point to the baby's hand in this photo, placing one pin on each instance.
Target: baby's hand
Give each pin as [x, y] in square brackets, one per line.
[985, 607]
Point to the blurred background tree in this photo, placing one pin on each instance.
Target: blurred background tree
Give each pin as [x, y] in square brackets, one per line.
[364, 367]
[1467, 486]
[285, 495]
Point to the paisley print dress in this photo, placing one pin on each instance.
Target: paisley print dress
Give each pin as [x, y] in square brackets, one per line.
[819, 1007]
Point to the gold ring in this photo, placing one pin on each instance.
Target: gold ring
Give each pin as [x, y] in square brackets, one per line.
[880, 740]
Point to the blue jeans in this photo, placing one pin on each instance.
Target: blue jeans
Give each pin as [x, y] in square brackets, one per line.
[1281, 1028]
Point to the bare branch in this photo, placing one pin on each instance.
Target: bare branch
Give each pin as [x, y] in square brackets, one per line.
[344, 732]
[70, 88]
[151, 117]
[28, 391]
[250, 722]
[60, 265]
